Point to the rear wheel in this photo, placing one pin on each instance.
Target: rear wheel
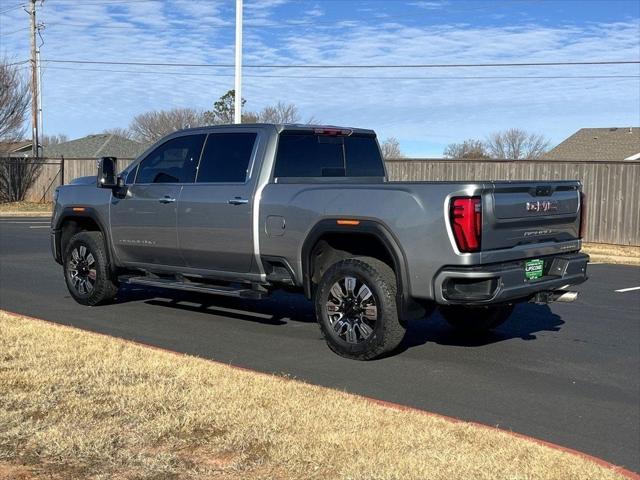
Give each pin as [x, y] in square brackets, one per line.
[86, 269]
[474, 320]
[356, 308]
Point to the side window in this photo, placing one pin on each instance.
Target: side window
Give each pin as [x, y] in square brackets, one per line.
[226, 157]
[308, 155]
[175, 161]
[131, 176]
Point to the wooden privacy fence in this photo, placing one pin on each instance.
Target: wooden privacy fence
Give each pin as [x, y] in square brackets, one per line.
[59, 171]
[612, 188]
[613, 193]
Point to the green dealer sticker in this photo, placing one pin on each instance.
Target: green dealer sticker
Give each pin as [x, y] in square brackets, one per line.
[533, 269]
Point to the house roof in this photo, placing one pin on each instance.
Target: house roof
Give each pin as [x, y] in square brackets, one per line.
[93, 146]
[613, 144]
[15, 147]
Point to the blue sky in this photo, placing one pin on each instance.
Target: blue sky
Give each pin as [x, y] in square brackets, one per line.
[425, 114]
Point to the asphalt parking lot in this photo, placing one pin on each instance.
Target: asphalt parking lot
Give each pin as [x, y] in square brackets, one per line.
[565, 373]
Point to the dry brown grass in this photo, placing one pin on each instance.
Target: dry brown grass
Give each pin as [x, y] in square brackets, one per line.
[26, 209]
[79, 405]
[605, 253]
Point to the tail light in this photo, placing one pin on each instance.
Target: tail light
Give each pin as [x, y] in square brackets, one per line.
[466, 221]
[333, 132]
[583, 215]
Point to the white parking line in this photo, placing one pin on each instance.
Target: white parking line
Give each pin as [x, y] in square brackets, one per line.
[622, 290]
[39, 226]
[24, 223]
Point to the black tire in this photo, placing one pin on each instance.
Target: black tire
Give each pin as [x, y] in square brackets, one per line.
[87, 285]
[359, 337]
[474, 320]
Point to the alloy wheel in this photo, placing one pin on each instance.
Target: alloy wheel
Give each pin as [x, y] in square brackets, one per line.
[352, 310]
[82, 270]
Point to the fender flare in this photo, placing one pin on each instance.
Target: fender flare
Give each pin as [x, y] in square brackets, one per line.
[371, 227]
[68, 213]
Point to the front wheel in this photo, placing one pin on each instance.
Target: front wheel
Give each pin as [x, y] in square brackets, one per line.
[356, 308]
[474, 320]
[86, 269]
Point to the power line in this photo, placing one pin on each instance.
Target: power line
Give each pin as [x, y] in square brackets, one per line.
[353, 66]
[497, 77]
[15, 7]
[4, 34]
[117, 27]
[257, 22]
[103, 2]
[18, 63]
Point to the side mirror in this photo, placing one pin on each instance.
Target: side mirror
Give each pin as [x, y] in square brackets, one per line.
[107, 173]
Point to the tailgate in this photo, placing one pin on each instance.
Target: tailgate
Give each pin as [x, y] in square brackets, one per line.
[518, 213]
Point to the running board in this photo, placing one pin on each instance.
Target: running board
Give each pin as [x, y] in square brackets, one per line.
[195, 287]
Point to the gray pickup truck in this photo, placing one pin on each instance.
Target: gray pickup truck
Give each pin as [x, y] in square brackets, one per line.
[243, 210]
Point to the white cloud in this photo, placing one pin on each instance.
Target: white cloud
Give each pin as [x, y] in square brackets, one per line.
[429, 5]
[424, 114]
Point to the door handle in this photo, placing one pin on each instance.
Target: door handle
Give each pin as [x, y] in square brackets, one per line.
[238, 201]
[167, 199]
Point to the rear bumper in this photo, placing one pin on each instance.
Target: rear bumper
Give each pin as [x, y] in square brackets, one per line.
[506, 282]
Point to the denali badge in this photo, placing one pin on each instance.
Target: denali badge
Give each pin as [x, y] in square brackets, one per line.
[544, 206]
[538, 232]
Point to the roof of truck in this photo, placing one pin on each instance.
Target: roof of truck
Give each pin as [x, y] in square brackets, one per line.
[304, 126]
[280, 127]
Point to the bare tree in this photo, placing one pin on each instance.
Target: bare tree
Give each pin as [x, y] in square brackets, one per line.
[47, 140]
[469, 149]
[223, 112]
[391, 148]
[279, 113]
[150, 126]
[14, 101]
[17, 176]
[120, 132]
[516, 144]
[249, 117]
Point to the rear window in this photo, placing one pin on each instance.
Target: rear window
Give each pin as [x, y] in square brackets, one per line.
[310, 155]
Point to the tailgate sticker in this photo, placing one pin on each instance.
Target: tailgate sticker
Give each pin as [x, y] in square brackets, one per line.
[533, 269]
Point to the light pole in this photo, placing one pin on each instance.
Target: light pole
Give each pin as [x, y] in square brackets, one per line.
[238, 89]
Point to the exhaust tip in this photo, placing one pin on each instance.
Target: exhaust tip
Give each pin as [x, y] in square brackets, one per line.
[561, 295]
[566, 297]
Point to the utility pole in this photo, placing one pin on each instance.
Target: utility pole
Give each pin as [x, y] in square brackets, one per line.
[238, 90]
[34, 83]
[40, 127]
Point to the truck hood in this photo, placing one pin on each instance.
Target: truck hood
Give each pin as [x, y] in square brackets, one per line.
[83, 180]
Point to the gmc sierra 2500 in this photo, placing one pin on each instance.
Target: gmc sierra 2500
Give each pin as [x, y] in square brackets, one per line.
[241, 210]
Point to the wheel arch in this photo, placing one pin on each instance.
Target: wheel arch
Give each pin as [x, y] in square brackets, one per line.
[328, 228]
[76, 219]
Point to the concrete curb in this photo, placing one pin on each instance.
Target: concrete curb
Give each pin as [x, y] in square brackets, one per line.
[394, 406]
[614, 259]
[26, 214]
[613, 254]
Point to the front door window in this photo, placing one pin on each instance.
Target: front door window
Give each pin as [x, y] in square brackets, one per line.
[175, 161]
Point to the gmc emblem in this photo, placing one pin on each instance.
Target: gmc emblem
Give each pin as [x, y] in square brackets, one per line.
[544, 206]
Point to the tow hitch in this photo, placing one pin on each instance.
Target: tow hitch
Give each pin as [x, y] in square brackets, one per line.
[560, 295]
